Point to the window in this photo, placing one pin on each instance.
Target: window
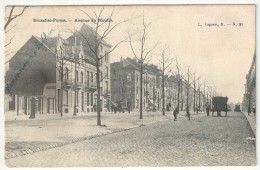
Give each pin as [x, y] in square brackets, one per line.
[137, 103]
[91, 99]
[81, 77]
[106, 57]
[100, 61]
[87, 99]
[91, 77]
[101, 76]
[106, 72]
[129, 77]
[88, 77]
[137, 77]
[137, 88]
[128, 89]
[66, 97]
[106, 86]
[77, 76]
[66, 73]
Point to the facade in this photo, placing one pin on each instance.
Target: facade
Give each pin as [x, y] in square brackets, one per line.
[249, 98]
[63, 75]
[125, 87]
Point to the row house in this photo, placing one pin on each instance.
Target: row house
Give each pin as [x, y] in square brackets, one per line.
[125, 85]
[36, 72]
[249, 97]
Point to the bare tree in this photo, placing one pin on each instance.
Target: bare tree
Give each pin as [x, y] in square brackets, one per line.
[204, 93]
[195, 91]
[98, 34]
[143, 56]
[179, 78]
[188, 84]
[10, 18]
[165, 64]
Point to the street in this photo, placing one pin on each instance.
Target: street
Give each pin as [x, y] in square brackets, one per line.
[202, 141]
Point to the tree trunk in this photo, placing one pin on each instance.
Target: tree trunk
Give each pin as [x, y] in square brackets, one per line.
[178, 95]
[163, 95]
[98, 93]
[141, 91]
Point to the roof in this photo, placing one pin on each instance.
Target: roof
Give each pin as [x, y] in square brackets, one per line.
[34, 63]
[86, 36]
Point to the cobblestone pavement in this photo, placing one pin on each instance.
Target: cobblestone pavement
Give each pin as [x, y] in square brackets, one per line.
[202, 141]
[24, 136]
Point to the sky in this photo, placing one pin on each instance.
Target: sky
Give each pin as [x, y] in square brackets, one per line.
[220, 55]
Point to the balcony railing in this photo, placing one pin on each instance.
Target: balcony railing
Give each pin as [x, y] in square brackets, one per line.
[78, 85]
[90, 86]
[67, 83]
[106, 93]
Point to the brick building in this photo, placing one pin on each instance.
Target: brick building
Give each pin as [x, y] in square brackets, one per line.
[125, 86]
[249, 98]
[35, 72]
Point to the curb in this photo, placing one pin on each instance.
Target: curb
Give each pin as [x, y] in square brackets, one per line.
[250, 125]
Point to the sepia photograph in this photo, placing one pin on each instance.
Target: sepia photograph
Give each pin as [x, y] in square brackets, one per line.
[129, 85]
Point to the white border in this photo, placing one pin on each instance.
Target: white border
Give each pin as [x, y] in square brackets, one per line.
[4, 3]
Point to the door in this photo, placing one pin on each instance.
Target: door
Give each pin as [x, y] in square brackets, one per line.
[82, 101]
[48, 105]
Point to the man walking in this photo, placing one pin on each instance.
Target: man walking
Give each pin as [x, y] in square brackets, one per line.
[175, 112]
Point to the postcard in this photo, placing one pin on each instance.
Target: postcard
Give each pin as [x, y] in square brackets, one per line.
[130, 85]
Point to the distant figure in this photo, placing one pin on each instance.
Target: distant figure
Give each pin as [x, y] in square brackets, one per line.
[248, 110]
[128, 107]
[175, 112]
[254, 109]
[207, 108]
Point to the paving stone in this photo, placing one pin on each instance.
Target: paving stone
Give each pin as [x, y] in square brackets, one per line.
[202, 141]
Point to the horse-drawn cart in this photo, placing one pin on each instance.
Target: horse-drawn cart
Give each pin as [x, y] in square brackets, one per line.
[219, 104]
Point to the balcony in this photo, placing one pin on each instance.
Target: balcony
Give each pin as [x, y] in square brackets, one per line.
[91, 86]
[106, 93]
[67, 83]
[78, 85]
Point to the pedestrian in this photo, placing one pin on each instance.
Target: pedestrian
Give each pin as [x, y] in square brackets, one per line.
[248, 110]
[207, 108]
[254, 109]
[128, 107]
[175, 112]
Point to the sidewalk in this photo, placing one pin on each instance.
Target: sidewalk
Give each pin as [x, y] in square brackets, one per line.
[252, 122]
[46, 131]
